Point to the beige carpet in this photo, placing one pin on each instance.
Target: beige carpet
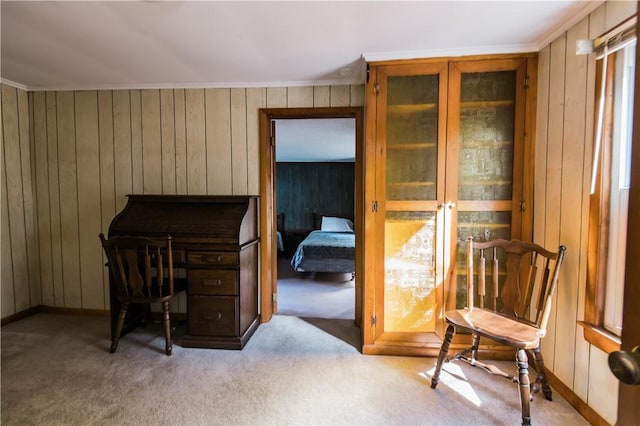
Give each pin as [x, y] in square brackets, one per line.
[56, 370]
[315, 295]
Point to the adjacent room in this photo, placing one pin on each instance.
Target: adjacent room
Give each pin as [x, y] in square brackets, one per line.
[315, 170]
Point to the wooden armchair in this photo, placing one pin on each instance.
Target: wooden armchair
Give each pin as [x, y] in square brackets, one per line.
[513, 310]
[138, 266]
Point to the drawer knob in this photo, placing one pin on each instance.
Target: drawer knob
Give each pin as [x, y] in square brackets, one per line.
[211, 258]
[212, 283]
[209, 316]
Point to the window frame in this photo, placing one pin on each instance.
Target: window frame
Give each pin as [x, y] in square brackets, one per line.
[599, 212]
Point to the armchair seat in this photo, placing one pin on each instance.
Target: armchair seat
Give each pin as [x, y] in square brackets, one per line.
[497, 327]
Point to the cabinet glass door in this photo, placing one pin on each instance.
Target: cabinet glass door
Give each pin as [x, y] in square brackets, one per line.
[413, 183]
[488, 182]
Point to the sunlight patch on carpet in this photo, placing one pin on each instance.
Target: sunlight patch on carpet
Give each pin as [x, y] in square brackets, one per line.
[452, 376]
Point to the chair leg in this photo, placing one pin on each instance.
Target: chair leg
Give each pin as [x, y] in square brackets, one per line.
[444, 350]
[167, 327]
[522, 361]
[542, 376]
[119, 327]
[474, 347]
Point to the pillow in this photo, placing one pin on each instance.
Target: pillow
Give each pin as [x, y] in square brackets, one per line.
[336, 224]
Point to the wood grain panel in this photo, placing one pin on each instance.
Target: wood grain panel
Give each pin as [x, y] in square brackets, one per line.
[70, 238]
[219, 156]
[7, 294]
[571, 223]
[137, 165]
[322, 96]
[54, 198]
[357, 96]
[299, 97]
[123, 173]
[276, 97]
[26, 158]
[542, 129]
[553, 194]
[88, 178]
[181, 141]
[151, 142]
[256, 99]
[239, 142]
[107, 174]
[42, 195]
[13, 174]
[603, 386]
[618, 11]
[306, 188]
[340, 96]
[168, 141]
[196, 141]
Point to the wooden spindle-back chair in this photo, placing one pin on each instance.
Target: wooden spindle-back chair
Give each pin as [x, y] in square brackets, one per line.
[142, 272]
[509, 302]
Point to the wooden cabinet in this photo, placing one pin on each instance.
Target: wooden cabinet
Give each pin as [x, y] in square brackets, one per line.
[446, 143]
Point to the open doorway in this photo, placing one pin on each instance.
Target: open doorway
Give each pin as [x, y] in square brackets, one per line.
[315, 203]
[269, 206]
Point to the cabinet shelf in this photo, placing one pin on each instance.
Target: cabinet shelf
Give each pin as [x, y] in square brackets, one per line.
[403, 146]
[486, 144]
[484, 225]
[395, 110]
[410, 184]
[485, 182]
[486, 104]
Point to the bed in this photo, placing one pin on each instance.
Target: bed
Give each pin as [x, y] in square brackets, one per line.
[331, 248]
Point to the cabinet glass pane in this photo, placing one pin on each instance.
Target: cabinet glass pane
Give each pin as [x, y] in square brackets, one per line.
[487, 112]
[409, 282]
[412, 135]
[482, 226]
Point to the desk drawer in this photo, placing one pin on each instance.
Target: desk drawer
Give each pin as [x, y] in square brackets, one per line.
[212, 315]
[212, 258]
[213, 281]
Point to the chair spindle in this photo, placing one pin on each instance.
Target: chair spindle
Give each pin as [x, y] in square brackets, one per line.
[481, 278]
[495, 269]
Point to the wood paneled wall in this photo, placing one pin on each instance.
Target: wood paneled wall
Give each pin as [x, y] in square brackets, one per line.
[70, 158]
[20, 266]
[306, 188]
[564, 139]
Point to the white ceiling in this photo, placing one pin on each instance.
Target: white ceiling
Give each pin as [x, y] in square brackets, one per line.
[55, 45]
[155, 43]
[318, 139]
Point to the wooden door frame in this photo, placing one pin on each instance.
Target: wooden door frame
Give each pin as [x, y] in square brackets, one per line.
[268, 249]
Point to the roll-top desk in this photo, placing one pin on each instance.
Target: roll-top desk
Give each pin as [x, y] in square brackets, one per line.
[215, 239]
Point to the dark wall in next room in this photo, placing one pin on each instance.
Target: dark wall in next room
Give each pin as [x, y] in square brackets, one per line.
[306, 188]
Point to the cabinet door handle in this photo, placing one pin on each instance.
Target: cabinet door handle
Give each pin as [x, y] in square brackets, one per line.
[212, 283]
[451, 204]
[215, 316]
